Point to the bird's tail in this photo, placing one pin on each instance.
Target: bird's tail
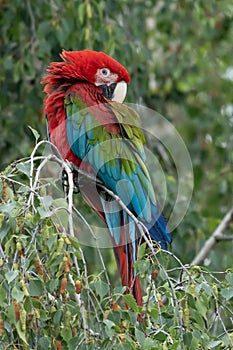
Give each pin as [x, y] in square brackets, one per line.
[159, 232]
[125, 262]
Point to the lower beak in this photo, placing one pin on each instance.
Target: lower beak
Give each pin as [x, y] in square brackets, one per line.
[108, 90]
[115, 91]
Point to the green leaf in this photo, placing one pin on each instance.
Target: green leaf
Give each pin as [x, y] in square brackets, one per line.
[43, 30]
[73, 342]
[3, 295]
[66, 333]
[109, 327]
[201, 307]
[11, 313]
[74, 242]
[149, 344]
[227, 293]
[229, 278]
[44, 213]
[44, 343]
[35, 287]
[214, 343]
[47, 201]
[17, 294]
[196, 317]
[119, 290]
[52, 285]
[11, 275]
[24, 168]
[101, 288]
[161, 336]
[142, 266]
[154, 312]
[60, 202]
[36, 303]
[194, 342]
[21, 333]
[131, 302]
[141, 250]
[207, 288]
[175, 346]
[35, 133]
[140, 336]
[57, 318]
[187, 339]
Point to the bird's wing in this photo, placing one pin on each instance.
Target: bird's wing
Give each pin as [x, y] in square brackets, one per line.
[116, 157]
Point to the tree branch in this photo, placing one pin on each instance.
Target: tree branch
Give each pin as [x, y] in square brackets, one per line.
[215, 238]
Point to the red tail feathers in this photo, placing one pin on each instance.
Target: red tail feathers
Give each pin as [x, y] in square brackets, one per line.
[125, 264]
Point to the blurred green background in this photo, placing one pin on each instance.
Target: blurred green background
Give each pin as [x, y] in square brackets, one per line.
[179, 54]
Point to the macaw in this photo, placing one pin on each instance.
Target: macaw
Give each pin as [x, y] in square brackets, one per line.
[92, 128]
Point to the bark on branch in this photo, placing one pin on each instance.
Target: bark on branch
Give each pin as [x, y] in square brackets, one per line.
[215, 238]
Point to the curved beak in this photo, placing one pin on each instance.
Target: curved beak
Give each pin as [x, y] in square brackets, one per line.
[115, 91]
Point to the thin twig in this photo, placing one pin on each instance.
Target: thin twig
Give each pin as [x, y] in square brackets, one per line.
[224, 238]
[2, 254]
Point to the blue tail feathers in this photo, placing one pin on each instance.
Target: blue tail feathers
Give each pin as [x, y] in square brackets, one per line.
[159, 232]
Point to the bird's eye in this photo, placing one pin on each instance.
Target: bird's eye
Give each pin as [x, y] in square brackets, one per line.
[105, 72]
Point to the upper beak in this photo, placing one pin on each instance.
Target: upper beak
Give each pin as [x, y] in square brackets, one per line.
[115, 91]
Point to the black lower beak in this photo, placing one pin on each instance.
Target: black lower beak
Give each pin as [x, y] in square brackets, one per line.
[108, 90]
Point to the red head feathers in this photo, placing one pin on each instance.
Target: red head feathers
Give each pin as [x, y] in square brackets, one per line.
[93, 76]
[84, 66]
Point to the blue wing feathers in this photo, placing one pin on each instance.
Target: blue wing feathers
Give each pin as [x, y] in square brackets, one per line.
[114, 161]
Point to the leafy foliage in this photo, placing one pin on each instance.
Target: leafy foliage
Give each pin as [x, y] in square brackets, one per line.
[50, 299]
[179, 58]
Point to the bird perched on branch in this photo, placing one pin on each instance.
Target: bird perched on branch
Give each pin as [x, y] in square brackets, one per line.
[92, 129]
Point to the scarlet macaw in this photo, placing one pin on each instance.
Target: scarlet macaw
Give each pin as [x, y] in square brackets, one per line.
[105, 141]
